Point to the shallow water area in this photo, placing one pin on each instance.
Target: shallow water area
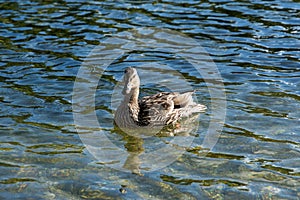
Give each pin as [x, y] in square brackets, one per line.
[46, 45]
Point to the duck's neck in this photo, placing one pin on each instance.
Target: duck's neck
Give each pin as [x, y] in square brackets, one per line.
[133, 97]
[131, 104]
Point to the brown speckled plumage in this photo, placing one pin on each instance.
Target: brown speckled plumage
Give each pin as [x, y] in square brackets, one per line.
[161, 109]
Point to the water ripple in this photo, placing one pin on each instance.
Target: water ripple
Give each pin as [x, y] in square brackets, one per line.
[255, 45]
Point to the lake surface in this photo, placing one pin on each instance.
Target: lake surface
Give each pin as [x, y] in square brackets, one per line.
[64, 58]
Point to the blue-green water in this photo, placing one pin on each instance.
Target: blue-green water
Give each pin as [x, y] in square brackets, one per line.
[255, 46]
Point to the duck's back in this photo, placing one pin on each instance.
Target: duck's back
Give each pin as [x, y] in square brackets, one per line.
[163, 108]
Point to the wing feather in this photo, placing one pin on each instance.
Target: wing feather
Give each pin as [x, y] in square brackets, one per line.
[166, 108]
[157, 109]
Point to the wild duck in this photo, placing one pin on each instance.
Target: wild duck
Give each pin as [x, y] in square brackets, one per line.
[165, 108]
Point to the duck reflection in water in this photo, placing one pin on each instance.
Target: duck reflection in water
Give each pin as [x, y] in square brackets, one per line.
[134, 142]
[164, 114]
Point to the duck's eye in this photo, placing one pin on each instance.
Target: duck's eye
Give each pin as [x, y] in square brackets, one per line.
[128, 69]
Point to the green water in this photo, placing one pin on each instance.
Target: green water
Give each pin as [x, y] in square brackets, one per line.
[254, 45]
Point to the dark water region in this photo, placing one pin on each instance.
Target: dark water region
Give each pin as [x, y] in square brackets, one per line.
[255, 46]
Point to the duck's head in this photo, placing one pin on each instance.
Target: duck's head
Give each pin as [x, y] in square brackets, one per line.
[131, 80]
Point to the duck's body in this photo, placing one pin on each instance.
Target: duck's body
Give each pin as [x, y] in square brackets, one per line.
[161, 109]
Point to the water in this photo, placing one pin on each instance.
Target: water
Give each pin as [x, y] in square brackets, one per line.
[255, 47]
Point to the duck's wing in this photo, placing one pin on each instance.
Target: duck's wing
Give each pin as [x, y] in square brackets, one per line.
[183, 99]
[184, 102]
[167, 108]
[187, 106]
[157, 109]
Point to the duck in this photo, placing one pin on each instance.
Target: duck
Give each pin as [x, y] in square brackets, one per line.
[158, 110]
